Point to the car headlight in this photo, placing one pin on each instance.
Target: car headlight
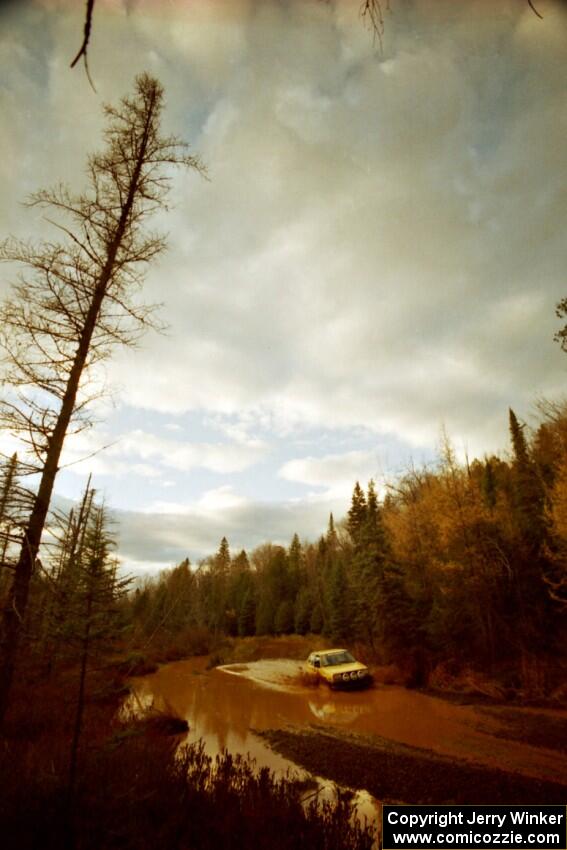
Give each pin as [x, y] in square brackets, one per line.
[361, 674]
[346, 676]
[337, 677]
[354, 675]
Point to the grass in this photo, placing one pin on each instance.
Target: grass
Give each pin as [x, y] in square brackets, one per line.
[391, 771]
[137, 790]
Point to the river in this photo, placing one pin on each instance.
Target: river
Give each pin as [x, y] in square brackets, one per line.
[224, 706]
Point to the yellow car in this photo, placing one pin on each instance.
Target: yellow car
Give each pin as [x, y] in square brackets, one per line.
[338, 668]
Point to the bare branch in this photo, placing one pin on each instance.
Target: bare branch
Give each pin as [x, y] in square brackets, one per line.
[76, 302]
[534, 10]
[83, 50]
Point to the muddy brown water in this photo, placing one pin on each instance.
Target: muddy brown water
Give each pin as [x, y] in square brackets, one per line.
[224, 705]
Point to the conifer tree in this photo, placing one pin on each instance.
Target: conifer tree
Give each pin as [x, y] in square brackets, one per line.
[240, 583]
[332, 537]
[14, 502]
[317, 620]
[371, 503]
[222, 558]
[77, 301]
[295, 563]
[247, 615]
[283, 620]
[488, 484]
[531, 562]
[372, 553]
[218, 588]
[94, 612]
[66, 559]
[357, 513]
[529, 499]
[339, 624]
[303, 610]
[295, 553]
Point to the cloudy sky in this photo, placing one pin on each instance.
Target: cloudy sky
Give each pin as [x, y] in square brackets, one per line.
[377, 253]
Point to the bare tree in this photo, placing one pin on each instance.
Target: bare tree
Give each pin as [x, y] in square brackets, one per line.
[15, 502]
[92, 612]
[371, 12]
[76, 300]
[61, 579]
[84, 48]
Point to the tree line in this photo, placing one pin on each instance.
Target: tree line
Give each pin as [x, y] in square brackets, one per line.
[460, 563]
[457, 556]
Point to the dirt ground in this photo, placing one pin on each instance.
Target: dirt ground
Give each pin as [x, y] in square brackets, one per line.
[397, 744]
[538, 728]
[394, 772]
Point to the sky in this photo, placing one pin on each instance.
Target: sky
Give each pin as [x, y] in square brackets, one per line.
[375, 256]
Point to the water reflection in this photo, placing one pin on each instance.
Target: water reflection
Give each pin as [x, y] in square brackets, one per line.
[224, 706]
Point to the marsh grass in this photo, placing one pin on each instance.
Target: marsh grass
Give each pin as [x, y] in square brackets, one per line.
[137, 789]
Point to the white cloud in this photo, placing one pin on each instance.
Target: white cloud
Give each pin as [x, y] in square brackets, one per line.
[149, 455]
[150, 537]
[380, 246]
[335, 472]
[186, 456]
[346, 262]
[210, 503]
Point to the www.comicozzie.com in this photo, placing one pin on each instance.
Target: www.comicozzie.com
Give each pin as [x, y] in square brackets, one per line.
[481, 827]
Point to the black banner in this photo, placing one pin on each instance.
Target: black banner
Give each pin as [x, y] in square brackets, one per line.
[481, 827]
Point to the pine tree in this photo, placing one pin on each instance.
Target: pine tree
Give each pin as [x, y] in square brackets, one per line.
[13, 504]
[529, 497]
[357, 514]
[222, 558]
[303, 610]
[283, 621]
[339, 624]
[332, 537]
[240, 583]
[94, 611]
[247, 615]
[372, 553]
[295, 562]
[371, 503]
[67, 556]
[265, 614]
[488, 484]
[295, 553]
[396, 614]
[218, 602]
[78, 300]
[317, 620]
[530, 560]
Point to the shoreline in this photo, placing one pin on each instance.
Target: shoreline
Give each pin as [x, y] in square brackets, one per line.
[384, 768]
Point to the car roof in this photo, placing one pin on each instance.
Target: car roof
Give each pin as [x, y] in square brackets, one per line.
[328, 651]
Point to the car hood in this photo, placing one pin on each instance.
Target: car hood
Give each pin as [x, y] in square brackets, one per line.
[351, 667]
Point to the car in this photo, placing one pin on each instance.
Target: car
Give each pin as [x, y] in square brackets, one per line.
[338, 669]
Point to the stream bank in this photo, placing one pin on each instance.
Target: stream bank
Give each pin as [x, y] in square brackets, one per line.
[394, 772]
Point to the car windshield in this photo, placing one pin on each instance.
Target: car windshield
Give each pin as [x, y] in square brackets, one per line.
[334, 658]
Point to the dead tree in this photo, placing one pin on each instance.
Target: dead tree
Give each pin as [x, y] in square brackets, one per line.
[15, 504]
[7, 492]
[62, 578]
[76, 300]
[92, 611]
[371, 12]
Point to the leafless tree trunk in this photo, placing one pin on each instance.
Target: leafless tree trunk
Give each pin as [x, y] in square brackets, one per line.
[76, 304]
